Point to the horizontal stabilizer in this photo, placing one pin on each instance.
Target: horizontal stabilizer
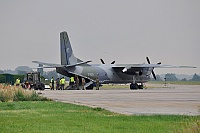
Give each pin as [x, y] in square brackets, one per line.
[42, 67]
[77, 64]
[49, 65]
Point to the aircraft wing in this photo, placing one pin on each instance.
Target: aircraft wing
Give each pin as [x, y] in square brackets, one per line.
[138, 67]
[172, 66]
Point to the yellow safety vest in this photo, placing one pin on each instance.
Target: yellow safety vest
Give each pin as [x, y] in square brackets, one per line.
[17, 81]
[63, 81]
[72, 79]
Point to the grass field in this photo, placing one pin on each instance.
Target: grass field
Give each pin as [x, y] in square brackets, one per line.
[17, 93]
[51, 117]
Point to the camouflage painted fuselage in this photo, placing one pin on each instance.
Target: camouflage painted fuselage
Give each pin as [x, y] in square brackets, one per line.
[105, 73]
[111, 73]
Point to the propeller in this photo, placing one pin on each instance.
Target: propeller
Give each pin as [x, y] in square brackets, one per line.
[102, 61]
[113, 62]
[153, 67]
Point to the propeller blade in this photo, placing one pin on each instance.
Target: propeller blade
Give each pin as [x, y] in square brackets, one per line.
[154, 76]
[148, 60]
[113, 62]
[102, 61]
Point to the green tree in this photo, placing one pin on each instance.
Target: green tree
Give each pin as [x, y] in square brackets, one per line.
[22, 69]
[2, 78]
[158, 78]
[1, 72]
[21, 77]
[184, 79]
[51, 74]
[196, 77]
[21, 72]
[171, 77]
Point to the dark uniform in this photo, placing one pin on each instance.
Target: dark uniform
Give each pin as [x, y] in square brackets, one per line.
[97, 83]
[77, 82]
[83, 83]
[52, 83]
[57, 83]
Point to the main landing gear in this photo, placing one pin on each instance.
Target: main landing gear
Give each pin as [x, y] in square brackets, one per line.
[134, 86]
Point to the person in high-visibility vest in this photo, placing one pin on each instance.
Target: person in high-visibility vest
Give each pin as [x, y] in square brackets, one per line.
[62, 83]
[52, 83]
[71, 82]
[17, 82]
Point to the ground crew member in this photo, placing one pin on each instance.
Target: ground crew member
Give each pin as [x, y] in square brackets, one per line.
[52, 83]
[17, 82]
[77, 82]
[71, 81]
[97, 83]
[62, 83]
[57, 83]
[83, 83]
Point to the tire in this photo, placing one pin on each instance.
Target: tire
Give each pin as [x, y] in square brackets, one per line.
[140, 86]
[133, 86]
[90, 87]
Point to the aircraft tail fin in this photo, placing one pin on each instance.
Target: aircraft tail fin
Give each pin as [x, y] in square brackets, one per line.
[67, 56]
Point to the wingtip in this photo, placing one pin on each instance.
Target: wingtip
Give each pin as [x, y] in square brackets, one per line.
[34, 61]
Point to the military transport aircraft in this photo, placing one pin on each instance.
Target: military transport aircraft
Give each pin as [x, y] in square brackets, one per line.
[70, 66]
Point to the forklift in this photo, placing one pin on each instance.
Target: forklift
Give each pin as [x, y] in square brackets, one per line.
[32, 81]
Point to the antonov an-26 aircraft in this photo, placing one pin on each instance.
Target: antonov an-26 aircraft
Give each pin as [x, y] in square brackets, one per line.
[70, 66]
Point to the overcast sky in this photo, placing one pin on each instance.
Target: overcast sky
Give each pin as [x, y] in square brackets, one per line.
[122, 30]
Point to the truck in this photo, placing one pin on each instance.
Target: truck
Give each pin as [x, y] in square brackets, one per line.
[32, 80]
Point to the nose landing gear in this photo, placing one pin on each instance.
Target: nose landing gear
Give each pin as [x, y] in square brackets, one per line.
[134, 85]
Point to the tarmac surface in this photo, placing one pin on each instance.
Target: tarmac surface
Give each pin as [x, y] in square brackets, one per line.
[175, 99]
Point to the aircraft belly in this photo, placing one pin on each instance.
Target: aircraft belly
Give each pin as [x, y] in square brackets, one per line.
[110, 75]
[102, 74]
[105, 75]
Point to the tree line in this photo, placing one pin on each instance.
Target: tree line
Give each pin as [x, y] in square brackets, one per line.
[22, 70]
[172, 77]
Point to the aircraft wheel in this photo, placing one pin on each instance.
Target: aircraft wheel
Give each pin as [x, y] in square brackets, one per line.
[90, 87]
[140, 86]
[133, 86]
